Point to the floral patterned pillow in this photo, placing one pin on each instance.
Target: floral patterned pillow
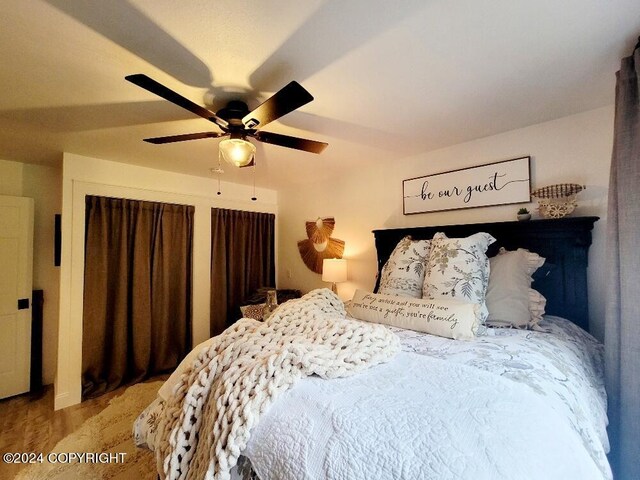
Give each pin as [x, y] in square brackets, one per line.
[458, 268]
[403, 274]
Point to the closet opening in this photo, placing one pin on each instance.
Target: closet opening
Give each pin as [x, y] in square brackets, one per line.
[242, 261]
[137, 313]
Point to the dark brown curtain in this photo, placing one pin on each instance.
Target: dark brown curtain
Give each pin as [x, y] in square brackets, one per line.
[137, 290]
[242, 260]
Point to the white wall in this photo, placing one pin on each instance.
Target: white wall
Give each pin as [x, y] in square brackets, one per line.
[44, 185]
[88, 176]
[573, 149]
[11, 178]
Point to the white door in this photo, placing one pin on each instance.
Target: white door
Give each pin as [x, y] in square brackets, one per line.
[16, 270]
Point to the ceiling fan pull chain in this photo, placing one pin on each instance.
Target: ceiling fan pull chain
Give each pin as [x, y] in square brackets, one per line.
[254, 198]
[218, 171]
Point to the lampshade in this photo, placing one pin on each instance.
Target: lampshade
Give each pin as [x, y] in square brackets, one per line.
[237, 151]
[334, 270]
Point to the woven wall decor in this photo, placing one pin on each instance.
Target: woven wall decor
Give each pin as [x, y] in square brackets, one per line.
[557, 201]
[319, 244]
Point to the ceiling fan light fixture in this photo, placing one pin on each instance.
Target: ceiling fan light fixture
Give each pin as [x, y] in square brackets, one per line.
[237, 151]
[237, 121]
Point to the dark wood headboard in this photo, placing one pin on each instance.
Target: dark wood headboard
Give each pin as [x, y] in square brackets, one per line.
[563, 242]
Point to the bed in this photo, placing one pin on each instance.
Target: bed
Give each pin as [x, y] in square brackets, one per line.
[510, 404]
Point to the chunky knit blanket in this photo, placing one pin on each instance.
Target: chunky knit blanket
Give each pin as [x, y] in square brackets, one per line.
[207, 422]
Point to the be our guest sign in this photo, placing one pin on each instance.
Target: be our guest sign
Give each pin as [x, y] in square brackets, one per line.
[497, 183]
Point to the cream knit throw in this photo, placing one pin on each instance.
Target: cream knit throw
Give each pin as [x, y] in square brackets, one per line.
[207, 422]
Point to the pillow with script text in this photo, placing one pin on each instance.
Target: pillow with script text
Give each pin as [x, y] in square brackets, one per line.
[442, 317]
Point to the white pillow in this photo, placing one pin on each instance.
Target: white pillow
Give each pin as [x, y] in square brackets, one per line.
[445, 318]
[537, 304]
[403, 274]
[509, 284]
[458, 268]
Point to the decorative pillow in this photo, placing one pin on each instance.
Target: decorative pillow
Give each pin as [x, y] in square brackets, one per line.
[282, 294]
[509, 284]
[442, 317]
[458, 268]
[403, 274]
[252, 311]
[537, 303]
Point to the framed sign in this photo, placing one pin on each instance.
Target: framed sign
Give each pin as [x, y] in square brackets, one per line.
[497, 183]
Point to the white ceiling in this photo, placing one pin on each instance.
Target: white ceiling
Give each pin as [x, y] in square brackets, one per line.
[391, 79]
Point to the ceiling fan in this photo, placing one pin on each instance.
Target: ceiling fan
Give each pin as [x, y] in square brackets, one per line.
[237, 122]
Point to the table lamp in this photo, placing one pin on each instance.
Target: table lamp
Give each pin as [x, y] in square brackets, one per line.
[334, 270]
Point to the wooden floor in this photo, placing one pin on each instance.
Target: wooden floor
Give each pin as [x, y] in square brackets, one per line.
[30, 424]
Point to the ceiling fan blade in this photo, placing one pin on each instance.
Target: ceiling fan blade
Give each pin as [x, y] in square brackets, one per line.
[290, 142]
[183, 138]
[285, 100]
[152, 86]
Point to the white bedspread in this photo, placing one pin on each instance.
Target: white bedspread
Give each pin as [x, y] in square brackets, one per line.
[209, 416]
[515, 405]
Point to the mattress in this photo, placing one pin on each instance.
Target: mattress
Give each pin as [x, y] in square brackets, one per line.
[508, 402]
